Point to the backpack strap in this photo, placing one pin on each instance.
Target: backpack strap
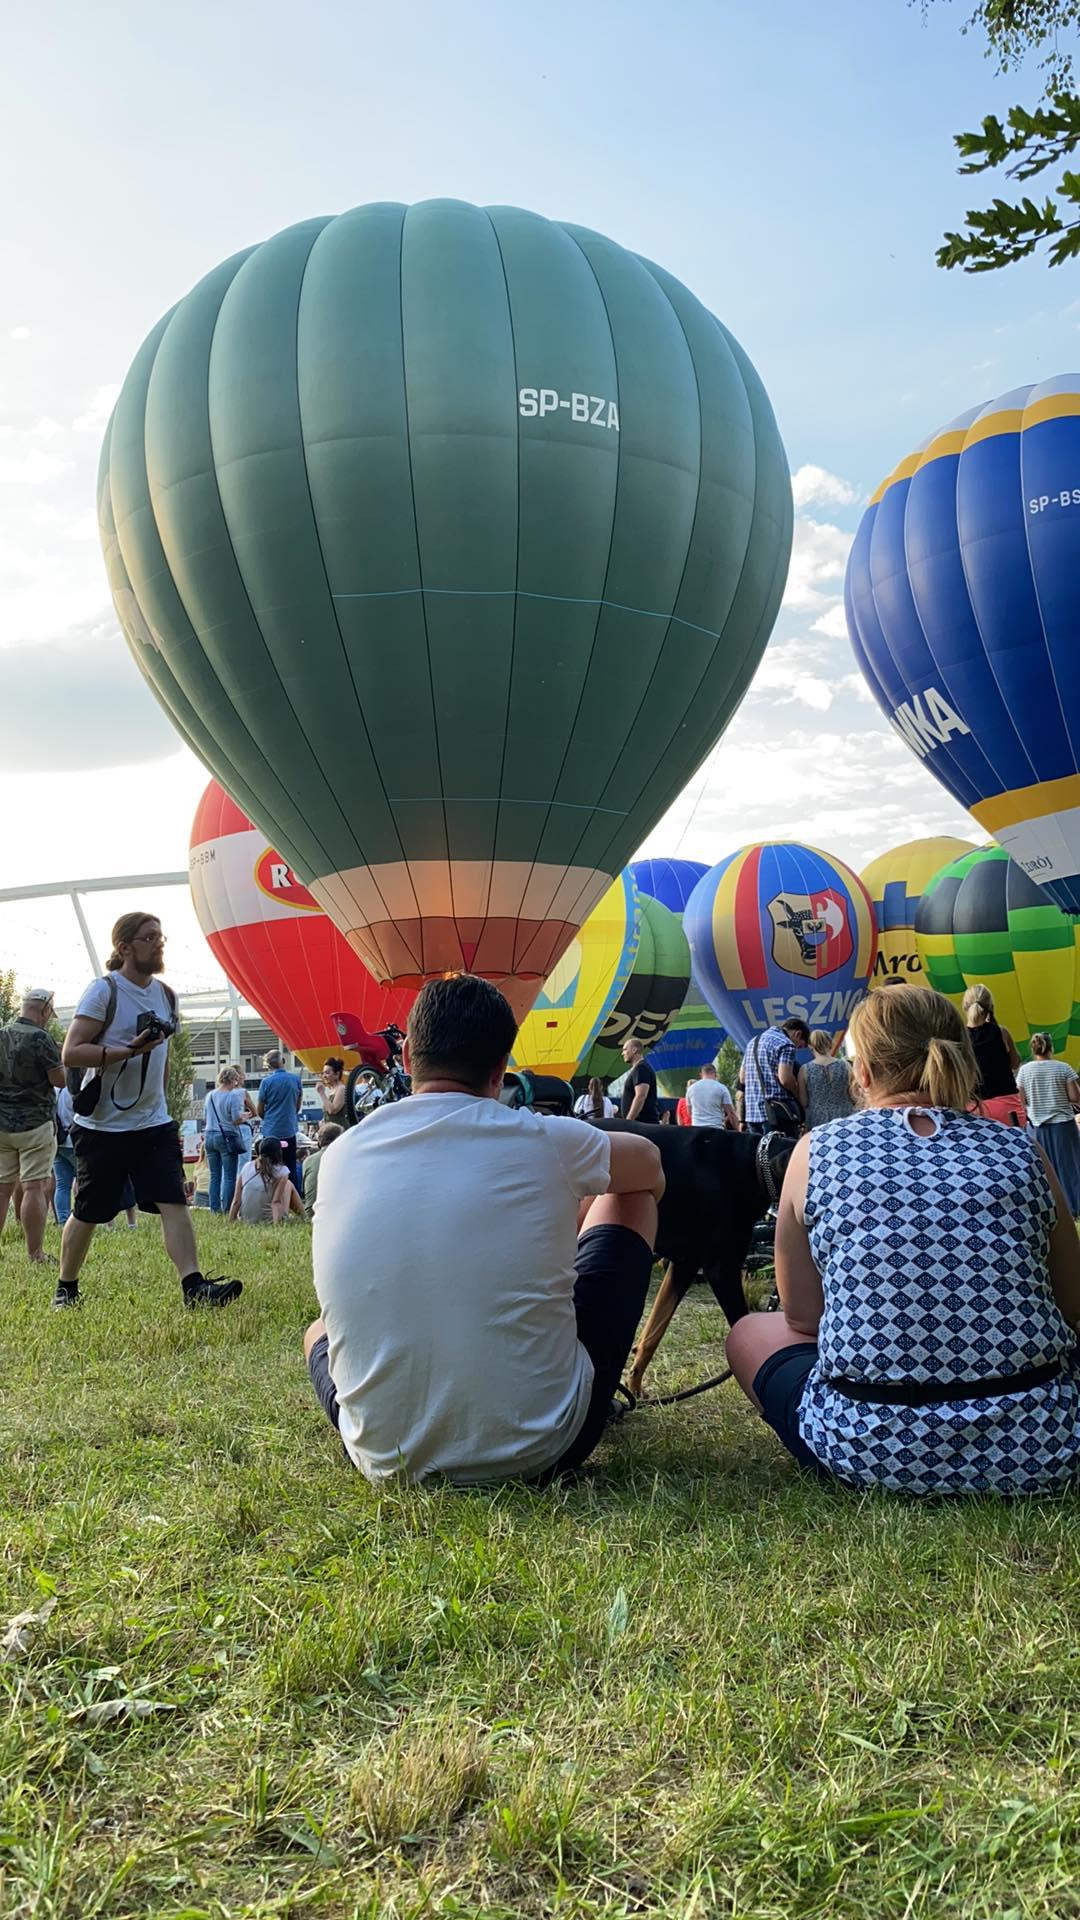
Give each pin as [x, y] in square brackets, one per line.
[110, 1007]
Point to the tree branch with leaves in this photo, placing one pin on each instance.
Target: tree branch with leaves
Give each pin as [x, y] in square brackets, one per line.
[1025, 144]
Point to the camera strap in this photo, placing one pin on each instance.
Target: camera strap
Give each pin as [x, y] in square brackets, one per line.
[86, 1099]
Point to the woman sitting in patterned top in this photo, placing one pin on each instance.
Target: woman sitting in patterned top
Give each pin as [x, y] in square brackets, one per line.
[929, 1277]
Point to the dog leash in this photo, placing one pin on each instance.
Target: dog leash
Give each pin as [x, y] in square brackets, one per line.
[631, 1403]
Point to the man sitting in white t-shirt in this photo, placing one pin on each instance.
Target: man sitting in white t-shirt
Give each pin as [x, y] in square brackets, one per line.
[710, 1101]
[467, 1329]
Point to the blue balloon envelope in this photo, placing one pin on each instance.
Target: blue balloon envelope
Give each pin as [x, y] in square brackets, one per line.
[694, 1037]
[778, 932]
[963, 607]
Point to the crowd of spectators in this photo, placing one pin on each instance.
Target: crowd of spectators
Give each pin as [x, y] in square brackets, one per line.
[927, 1261]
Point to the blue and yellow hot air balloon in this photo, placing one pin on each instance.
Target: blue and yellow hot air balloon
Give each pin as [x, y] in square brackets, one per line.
[963, 606]
[581, 991]
[896, 882]
[780, 931]
[694, 1036]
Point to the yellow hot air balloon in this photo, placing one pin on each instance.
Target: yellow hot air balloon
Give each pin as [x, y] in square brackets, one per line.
[578, 995]
[896, 882]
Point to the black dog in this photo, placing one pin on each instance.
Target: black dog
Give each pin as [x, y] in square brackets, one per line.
[719, 1185]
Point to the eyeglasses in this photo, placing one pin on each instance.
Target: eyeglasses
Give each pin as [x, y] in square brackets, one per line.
[151, 939]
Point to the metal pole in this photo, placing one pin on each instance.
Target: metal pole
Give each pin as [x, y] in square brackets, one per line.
[85, 931]
[234, 1025]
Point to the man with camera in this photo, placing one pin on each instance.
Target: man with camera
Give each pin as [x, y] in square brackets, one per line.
[123, 1130]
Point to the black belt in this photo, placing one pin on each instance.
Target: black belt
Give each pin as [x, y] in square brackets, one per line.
[935, 1393]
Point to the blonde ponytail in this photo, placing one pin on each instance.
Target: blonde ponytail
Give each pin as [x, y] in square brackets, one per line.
[978, 1005]
[950, 1075]
[915, 1042]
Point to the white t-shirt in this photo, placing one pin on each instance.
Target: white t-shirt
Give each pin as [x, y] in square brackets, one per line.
[443, 1255]
[1044, 1084]
[115, 1112]
[584, 1107]
[708, 1101]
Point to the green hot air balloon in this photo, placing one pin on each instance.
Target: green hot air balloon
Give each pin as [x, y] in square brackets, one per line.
[653, 994]
[450, 538]
[982, 919]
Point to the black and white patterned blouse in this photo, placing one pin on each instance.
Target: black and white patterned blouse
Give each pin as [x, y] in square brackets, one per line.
[933, 1257]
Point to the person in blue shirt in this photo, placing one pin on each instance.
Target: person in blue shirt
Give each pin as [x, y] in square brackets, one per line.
[278, 1103]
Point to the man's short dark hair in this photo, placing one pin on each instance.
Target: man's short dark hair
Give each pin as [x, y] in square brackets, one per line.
[459, 1029]
[793, 1027]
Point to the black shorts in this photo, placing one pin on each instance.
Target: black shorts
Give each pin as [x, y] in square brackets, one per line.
[779, 1384]
[149, 1157]
[614, 1265]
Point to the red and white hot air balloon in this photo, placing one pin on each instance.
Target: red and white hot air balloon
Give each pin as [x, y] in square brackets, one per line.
[274, 942]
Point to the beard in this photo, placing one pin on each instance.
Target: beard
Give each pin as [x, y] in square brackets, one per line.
[156, 963]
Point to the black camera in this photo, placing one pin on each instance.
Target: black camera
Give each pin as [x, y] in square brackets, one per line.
[148, 1025]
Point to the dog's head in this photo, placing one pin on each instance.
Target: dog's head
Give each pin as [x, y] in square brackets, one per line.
[774, 1150]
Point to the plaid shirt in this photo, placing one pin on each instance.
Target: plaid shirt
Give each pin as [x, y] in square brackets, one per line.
[774, 1050]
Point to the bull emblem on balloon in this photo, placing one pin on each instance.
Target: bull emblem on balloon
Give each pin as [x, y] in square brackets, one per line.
[811, 935]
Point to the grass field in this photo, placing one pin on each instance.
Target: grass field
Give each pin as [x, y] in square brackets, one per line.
[694, 1684]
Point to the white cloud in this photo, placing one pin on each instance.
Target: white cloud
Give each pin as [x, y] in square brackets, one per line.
[857, 685]
[819, 554]
[833, 623]
[19, 333]
[789, 674]
[82, 526]
[32, 468]
[853, 790]
[98, 408]
[815, 486]
[51, 575]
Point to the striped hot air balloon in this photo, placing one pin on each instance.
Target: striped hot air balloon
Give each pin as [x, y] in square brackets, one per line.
[450, 538]
[273, 941]
[652, 995]
[693, 1038]
[780, 931]
[963, 607]
[896, 882]
[982, 919]
[579, 994]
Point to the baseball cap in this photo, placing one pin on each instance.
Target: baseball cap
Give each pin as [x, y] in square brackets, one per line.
[41, 994]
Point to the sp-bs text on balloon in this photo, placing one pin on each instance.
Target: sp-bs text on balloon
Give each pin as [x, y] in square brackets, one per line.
[455, 660]
[1068, 497]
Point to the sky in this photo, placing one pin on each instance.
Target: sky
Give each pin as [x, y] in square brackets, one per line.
[792, 164]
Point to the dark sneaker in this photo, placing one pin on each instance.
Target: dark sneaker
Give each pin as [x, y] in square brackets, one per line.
[66, 1297]
[213, 1293]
